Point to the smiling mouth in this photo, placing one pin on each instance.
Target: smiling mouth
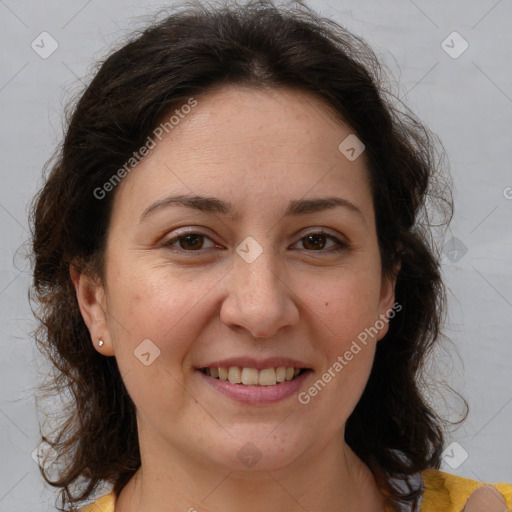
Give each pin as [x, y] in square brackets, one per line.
[252, 376]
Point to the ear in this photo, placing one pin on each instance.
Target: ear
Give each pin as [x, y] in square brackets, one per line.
[387, 307]
[90, 294]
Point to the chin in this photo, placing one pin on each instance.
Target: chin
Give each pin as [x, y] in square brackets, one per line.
[258, 449]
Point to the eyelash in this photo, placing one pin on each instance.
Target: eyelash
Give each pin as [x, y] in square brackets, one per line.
[341, 246]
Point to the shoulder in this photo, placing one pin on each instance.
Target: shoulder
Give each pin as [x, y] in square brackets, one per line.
[444, 492]
[103, 504]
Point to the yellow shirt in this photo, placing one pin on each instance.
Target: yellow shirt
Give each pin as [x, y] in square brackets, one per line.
[442, 492]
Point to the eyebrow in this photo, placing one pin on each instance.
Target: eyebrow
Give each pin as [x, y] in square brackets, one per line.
[214, 205]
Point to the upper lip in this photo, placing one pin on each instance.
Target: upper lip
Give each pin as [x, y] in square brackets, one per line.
[259, 364]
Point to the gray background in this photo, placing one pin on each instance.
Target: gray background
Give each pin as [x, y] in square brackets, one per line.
[467, 101]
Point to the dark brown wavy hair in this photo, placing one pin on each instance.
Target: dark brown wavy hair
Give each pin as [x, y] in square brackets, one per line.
[196, 47]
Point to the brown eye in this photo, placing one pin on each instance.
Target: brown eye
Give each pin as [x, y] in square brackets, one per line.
[314, 241]
[189, 242]
[317, 242]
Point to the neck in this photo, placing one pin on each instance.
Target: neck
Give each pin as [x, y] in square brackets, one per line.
[333, 479]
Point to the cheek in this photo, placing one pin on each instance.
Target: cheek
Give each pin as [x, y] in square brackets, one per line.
[344, 315]
[338, 386]
[154, 322]
[159, 305]
[345, 304]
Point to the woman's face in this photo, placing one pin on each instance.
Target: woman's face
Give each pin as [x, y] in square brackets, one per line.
[244, 279]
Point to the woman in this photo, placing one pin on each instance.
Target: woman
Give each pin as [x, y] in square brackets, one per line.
[235, 278]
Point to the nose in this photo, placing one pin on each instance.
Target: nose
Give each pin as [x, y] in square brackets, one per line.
[258, 299]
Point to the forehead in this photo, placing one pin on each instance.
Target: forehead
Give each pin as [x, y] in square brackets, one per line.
[240, 142]
[236, 121]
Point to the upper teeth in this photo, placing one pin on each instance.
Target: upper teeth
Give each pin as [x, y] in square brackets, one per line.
[251, 376]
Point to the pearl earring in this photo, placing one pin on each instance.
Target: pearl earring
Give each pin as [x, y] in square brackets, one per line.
[100, 343]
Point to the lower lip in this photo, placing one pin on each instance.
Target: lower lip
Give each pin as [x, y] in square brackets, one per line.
[257, 395]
